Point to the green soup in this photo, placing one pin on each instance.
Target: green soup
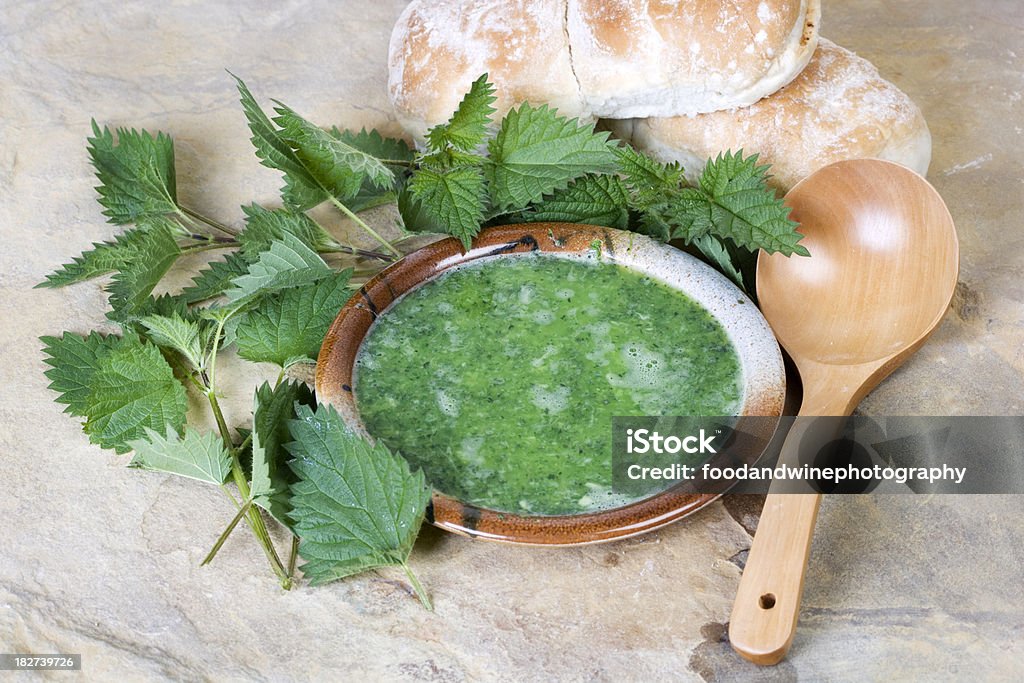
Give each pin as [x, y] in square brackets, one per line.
[500, 378]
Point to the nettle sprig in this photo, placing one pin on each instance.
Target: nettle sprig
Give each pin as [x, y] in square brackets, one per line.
[543, 167]
[270, 294]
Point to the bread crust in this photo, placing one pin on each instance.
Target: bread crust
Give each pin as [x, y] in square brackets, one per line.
[838, 108]
[641, 58]
[439, 47]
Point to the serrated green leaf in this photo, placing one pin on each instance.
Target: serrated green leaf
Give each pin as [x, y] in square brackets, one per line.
[103, 258]
[73, 360]
[166, 305]
[414, 217]
[466, 128]
[136, 175]
[714, 252]
[264, 226]
[651, 222]
[688, 214]
[301, 190]
[175, 333]
[131, 286]
[649, 181]
[335, 165]
[287, 263]
[195, 455]
[229, 331]
[592, 199]
[216, 277]
[537, 152]
[271, 478]
[291, 324]
[370, 197]
[225, 317]
[132, 388]
[356, 506]
[738, 205]
[393, 153]
[452, 199]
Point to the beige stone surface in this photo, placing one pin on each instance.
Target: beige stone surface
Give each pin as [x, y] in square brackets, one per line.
[101, 560]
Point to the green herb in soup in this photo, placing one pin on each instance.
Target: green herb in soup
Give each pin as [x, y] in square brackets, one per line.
[500, 378]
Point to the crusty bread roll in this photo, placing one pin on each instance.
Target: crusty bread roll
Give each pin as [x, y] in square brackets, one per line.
[588, 58]
[439, 47]
[640, 58]
[838, 108]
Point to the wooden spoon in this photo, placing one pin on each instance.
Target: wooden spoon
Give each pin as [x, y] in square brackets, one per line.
[881, 274]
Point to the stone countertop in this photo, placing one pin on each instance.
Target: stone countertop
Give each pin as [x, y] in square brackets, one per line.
[104, 561]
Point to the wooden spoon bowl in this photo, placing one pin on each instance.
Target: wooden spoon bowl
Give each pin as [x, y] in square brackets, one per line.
[883, 266]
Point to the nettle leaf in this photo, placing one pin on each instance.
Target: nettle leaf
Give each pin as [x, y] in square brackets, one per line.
[73, 360]
[139, 274]
[103, 258]
[536, 152]
[287, 263]
[301, 190]
[291, 324]
[264, 226]
[452, 199]
[652, 222]
[687, 214]
[392, 152]
[195, 455]
[165, 305]
[467, 127]
[216, 277]
[338, 167]
[649, 181]
[132, 388]
[414, 217]
[176, 333]
[356, 506]
[271, 478]
[136, 175]
[714, 251]
[592, 199]
[740, 206]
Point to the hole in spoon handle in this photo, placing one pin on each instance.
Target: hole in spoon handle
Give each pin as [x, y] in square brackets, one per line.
[768, 600]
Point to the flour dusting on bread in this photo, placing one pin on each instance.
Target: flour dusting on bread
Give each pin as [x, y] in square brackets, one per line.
[838, 108]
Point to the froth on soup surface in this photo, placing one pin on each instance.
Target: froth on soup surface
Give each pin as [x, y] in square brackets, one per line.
[500, 378]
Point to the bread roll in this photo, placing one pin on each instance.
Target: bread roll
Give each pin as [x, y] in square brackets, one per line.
[640, 58]
[588, 58]
[838, 108]
[439, 47]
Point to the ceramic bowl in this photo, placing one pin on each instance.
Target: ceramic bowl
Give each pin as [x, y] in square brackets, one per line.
[764, 381]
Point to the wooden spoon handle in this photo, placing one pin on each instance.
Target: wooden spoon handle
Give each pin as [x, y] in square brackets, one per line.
[768, 600]
[767, 603]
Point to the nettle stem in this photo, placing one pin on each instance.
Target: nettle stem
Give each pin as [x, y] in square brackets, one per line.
[252, 515]
[353, 251]
[293, 556]
[242, 511]
[217, 225]
[418, 588]
[195, 248]
[361, 223]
